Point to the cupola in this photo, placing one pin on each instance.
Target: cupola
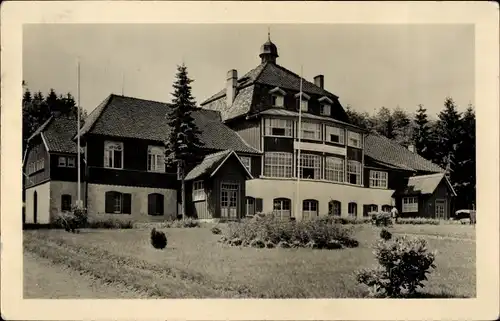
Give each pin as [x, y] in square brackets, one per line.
[268, 51]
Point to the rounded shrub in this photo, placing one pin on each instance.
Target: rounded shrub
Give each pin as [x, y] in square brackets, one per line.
[236, 241]
[216, 230]
[385, 235]
[158, 239]
[284, 245]
[333, 245]
[270, 245]
[258, 243]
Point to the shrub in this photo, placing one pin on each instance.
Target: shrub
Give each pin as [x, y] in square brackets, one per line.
[403, 266]
[270, 245]
[216, 230]
[272, 229]
[110, 224]
[418, 221]
[346, 220]
[334, 244]
[183, 223]
[236, 241]
[258, 243]
[385, 235]
[158, 239]
[284, 244]
[73, 220]
[382, 219]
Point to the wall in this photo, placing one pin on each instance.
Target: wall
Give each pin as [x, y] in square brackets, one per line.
[429, 206]
[323, 192]
[36, 152]
[58, 188]
[68, 174]
[249, 130]
[96, 202]
[43, 203]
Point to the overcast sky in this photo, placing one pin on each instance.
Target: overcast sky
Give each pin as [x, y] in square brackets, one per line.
[367, 66]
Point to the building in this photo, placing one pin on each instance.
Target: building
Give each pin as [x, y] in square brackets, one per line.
[251, 158]
[343, 170]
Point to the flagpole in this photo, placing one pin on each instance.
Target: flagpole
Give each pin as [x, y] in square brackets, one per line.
[78, 136]
[299, 129]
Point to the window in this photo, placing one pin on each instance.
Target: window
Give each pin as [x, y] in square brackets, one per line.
[250, 202]
[277, 100]
[113, 155]
[378, 179]
[353, 209]
[155, 204]
[281, 207]
[334, 208]
[278, 164]
[71, 161]
[386, 208]
[118, 203]
[247, 161]
[334, 169]
[310, 166]
[198, 191]
[354, 139]
[304, 105]
[325, 110]
[65, 202]
[354, 172]
[310, 131]
[410, 204]
[334, 135]
[368, 209]
[156, 159]
[278, 127]
[309, 209]
[61, 161]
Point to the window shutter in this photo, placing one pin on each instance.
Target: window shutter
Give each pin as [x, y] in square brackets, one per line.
[159, 204]
[126, 203]
[258, 205]
[106, 158]
[151, 204]
[109, 198]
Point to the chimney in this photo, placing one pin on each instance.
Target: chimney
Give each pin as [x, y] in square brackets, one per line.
[319, 81]
[231, 82]
[411, 148]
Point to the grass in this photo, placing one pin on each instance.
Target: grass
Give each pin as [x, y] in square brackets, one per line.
[195, 265]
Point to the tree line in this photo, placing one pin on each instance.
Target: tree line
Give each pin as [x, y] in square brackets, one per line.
[448, 141]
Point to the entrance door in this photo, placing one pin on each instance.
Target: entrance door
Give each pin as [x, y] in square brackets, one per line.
[229, 201]
[440, 209]
[35, 207]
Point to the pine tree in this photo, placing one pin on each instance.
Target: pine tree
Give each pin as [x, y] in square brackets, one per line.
[402, 127]
[448, 134]
[184, 145]
[421, 134]
[383, 122]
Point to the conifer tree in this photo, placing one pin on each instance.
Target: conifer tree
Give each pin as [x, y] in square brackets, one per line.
[183, 145]
[422, 134]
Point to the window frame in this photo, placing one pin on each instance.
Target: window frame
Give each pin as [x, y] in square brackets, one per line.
[349, 205]
[110, 148]
[315, 128]
[334, 205]
[376, 181]
[62, 164]
[250, 204]
[64, 197]
[68, 163]
[278, 123]
[156, 153]
[244, 159]
[277, 100]
[325, 107]
[281, 211]
[332, 172]
[316, 165]
[284, 164]
[199, 193]
[355, 136]
[358, 165]
[310, 211]
[409, 207]
[329, 131]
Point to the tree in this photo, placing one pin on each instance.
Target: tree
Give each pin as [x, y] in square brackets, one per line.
[422, 133]
[362, 120]
[183, 147]
[448, 134]
[465, 174]
[383, 122]
[403, 127]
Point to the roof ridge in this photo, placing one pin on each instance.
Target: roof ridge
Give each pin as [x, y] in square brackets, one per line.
[42, 127]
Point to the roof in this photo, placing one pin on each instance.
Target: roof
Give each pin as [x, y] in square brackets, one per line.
[211, 164]
[426, 184]
[384, 150]
[57, 134]
[130, 117]
[286, 112]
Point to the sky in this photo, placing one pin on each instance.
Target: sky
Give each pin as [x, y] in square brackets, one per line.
[367, 66]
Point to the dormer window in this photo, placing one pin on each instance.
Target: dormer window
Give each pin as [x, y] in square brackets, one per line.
[304, 103]
[326, 106]
[277, 97]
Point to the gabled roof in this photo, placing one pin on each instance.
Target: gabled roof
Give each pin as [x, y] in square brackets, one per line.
[130, 117]
[384, 150]
[57, 134]
[426, 184]
[211, 164]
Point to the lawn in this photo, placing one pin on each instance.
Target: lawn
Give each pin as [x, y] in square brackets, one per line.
[195, 265]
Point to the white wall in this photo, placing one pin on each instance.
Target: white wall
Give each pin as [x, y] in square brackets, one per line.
[58, 188]
[43, 204]
[323, 192]
[96, 201]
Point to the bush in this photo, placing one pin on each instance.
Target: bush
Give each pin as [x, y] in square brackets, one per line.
[110, 224]
[73, 220]
[319, 232]
[418, 221]
[258, 243]
[382, 219]
[385, 235]
[215, 230]
[403, 266]
[183, 223]
[284, 245]
[346, 220]
[158, 239]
